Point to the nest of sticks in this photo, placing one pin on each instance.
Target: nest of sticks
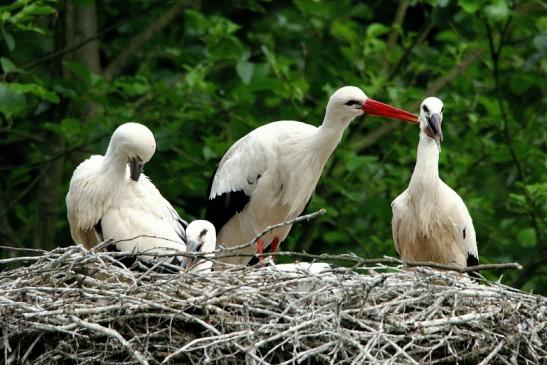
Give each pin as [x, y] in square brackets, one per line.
[71, 305]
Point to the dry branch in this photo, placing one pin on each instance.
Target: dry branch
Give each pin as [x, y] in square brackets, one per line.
[80, 306]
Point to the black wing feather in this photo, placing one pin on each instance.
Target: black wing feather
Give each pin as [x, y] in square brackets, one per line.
[223, 207]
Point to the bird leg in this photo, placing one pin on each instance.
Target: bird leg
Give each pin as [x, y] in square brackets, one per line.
[275, 245]
[260, 250]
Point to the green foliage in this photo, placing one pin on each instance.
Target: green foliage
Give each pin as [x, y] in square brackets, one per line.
[216, 72]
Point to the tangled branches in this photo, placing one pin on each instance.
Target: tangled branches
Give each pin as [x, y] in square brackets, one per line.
[74, 305]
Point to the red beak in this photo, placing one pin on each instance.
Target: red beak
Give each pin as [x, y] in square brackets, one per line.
[374, 107]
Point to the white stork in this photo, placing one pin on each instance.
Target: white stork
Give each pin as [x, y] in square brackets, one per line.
[269, 175]
[430, 220]
[109, 199]
[202, 238]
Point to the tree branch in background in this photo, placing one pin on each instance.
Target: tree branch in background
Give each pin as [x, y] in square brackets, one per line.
[115, 67]
[49, 184]
[373, 137]
[395, 30]
[495, 54]
[74, 47]
[419, 39]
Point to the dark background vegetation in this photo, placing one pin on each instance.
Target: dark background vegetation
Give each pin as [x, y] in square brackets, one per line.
[201, 75]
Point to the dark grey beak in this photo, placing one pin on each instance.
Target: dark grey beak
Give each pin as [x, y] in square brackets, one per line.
[135, 168]
[191, 247]
[434, 126]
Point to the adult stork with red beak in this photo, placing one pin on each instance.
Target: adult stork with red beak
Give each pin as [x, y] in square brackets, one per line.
[269, 175]
[430, 220]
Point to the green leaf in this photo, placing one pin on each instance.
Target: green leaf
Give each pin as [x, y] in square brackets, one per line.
[470, 6]
[542, 24]
[35, 89]
[8, 38]
[41, 10]
[527, 237]
[343, 30]
[79, 70]
[336, 237]
[8, 66]
[375, 30]
[11, 102]
[497, 11]
[540, 42]
[245, 71]
[448, 36]
[195, 21]
[521, 82]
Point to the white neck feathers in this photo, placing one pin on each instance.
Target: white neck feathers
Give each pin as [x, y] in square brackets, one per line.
[425, 183]
[115, 162]
[426, 171]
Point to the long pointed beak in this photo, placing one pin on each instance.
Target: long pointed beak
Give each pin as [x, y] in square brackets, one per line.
[434, 126]
[187, 262]
[135, 168]
[374, 107]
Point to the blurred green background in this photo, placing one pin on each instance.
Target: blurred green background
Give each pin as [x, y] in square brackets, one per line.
[203, 74]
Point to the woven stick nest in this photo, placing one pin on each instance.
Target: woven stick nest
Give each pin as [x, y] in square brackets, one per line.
[77, 306]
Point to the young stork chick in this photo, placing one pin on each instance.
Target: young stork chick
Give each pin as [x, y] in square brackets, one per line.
[201, 237]
[430, 220]
[110, 198]
[269, 175]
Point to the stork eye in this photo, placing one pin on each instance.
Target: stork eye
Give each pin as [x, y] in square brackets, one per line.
[352, 102]
[425, 108]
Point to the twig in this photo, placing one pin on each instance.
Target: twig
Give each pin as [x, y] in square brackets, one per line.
[109, 332]
[269, 229]
[454, 320]
[358, 261]
[491, 355]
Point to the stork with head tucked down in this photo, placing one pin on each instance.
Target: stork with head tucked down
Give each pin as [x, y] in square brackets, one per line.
[269, 175]
[430, 220]
[109, 197]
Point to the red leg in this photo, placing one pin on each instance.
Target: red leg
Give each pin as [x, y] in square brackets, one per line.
[259, 250]
[275, 245]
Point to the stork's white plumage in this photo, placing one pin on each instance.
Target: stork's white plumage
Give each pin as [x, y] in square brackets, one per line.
[430, 220]
[269, 175]
[201, 237]
[108, 197]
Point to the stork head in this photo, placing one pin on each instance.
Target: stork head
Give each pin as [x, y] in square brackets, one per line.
[137, 142]
[431, 118]
[201, 237]
[349, 102]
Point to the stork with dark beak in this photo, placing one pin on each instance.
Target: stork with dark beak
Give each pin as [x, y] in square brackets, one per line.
[110, 197]
[430, 220]
[201, 237]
